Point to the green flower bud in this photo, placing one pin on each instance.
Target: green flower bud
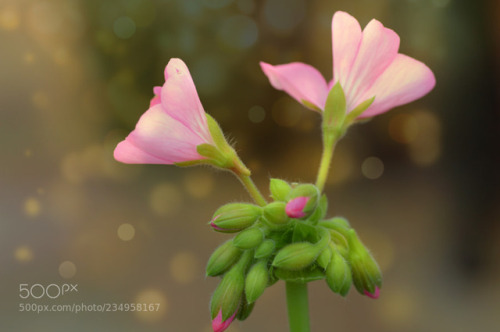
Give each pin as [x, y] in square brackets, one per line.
[256, 281]
[365, 271]
[265, 249]
[279, 189]
[228, 294]
[302, 201]
[275, 213]
[338, 274]
[249, 238]
[222, 259]
[234, 217]
[296, 256]
[324, 258]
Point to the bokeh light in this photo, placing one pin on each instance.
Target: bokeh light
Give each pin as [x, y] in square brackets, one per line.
[126, 232]
[67, 269]
[165, 199]
[156, 299]
[184, 267]
[23, 254]
[372, 168]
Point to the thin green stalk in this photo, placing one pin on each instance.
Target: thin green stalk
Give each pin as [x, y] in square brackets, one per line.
[329, 142]
[298, 306]
[252, 189]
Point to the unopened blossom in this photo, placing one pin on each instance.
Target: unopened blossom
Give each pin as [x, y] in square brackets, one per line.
[366, 63]
[174, 125]
[295, 207]
[218, 325]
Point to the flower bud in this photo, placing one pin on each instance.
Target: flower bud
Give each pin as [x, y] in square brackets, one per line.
[302, 201]
[295, 207]
[249, 238]
[275, 213]
[279, 189]
[324, 258]
[265, 249]
[365, 271]
[256, 281]
[296, 256]
[234, 217]
[222, 259]
[338, 274]
[227, 296]
[218, 325]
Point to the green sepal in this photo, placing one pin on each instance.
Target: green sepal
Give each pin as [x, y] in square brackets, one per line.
[274, 212]
[357, 111]
[222, 259]
[309, 274]
[245, 309]
[279, 189]
[214, 156]
[310, 105]
[249, 238]
[320, 211]
[256, 281]
[335, 108]
[217, 134]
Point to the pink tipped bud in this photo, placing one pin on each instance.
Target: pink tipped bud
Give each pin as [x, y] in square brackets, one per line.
[295, 207]
[375, 294]
[218, 325]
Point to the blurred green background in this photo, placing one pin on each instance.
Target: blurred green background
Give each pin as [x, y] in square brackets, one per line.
[420, 183]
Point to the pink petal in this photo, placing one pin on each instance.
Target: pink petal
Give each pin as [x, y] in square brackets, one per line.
[377, 49]
[158, 139]
[405, 80]
[180, 99]
[218, 325]
[295, 207]
[301, 81]
[346, 37]
[375, 294]
[157, 98]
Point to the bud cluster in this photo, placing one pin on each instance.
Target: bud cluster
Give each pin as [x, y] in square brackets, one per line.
[288, 239]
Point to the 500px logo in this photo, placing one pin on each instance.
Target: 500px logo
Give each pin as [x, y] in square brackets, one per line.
[52, 291]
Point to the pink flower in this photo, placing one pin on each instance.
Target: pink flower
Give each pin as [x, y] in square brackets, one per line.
[174, 125]
[295, 207]
[366, 63]
[218, 325]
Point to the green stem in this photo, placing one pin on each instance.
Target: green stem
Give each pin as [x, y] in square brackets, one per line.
[329, 142]
[252, 189]
[298, 307]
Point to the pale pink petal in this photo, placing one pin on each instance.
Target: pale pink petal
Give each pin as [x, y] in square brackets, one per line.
[218, 325]
[180, 99]
[158, 139]
[405, 80]
[377, 49]
[157, 98]
[346, 38]
[301, 81]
